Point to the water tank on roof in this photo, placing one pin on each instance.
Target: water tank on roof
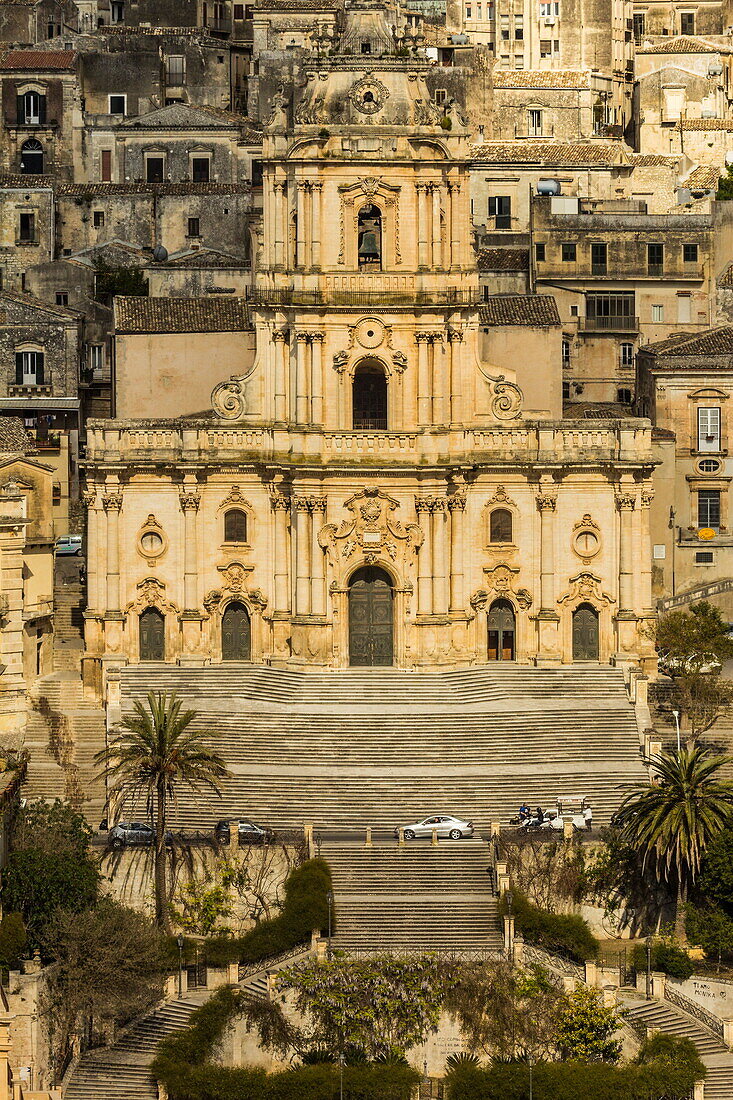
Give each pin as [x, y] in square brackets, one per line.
[160, 254]
[548, 187]
[459, 39]
[715, 69]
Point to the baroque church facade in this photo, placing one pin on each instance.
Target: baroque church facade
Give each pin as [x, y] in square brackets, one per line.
[369, 491]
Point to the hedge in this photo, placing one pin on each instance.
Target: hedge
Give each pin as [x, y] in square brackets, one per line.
[562, 934]
[183, 1063]
[571, 1081]
[666, 958]
[305, 908]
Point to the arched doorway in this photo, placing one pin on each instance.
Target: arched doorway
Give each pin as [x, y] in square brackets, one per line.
[152, 635]
[369, 223]
[371, 626]
[585, 633]
[236, 633]
[31, 158]
[370, 398]
[502, 631]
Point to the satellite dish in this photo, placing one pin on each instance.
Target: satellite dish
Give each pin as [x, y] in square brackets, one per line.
[160, 254]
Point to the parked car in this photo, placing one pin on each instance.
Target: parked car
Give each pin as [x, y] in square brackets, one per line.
[249, 833]
[69, 544]
[444, 825]
[126, 834]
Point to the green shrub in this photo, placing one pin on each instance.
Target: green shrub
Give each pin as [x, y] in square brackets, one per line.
[13, 940]
[571, 1081]
[561, 934]
[667, 958]
[672, 1050]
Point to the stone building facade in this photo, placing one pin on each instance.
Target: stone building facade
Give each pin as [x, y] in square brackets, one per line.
[369, 491]
[41, 111]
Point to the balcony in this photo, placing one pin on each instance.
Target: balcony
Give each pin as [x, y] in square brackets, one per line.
[451, 296]
[656, 271]
[608, 324]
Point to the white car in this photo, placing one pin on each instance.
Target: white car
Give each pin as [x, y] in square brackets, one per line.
[443, 824]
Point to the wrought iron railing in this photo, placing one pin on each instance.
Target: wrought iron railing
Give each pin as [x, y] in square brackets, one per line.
[275, 962]
[678, 999]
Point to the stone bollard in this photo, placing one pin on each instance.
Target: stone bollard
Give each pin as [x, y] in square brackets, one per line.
[401, 836]
[308, 837]
[495, 828]
[368, 841]
[234, 835]
[591, 973]
[567, 830]
[728, 1033]
[434, 840]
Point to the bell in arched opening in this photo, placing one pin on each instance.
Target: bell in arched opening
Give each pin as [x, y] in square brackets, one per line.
[370, 237]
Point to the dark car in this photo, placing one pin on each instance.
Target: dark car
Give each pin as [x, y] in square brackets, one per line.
[249, 833]
[126, 834]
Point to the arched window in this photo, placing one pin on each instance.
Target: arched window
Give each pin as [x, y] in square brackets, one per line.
[235, 525]
[370, 238]
[500, 525]
[31, 108]
[370, 398]
[31, 158]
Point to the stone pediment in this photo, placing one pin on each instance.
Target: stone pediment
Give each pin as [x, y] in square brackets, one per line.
[179, 116]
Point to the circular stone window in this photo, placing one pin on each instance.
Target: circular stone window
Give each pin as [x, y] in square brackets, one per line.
[370, 333]
[586, 544]
[151, 542]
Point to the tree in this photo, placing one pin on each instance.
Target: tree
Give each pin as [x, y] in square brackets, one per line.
[50, 868]
[108, 969]
[716, 876]
[692, 646]
[701, 698]
[671, 821]
[202, 902]
[111, 281]
[13, 940]
[725, 185]
[586, 1028]
[712, 928]
[154, 753]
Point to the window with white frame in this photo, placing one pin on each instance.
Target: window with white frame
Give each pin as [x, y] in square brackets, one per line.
[175, 69]
[534, 122]
[708, 428]
[29, 367]
[117, 104]
[626, 354]
[657, 314]
[96, 357]
[708, 508]
[566, 354]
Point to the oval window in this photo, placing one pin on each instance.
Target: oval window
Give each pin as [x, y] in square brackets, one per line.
[151, 542]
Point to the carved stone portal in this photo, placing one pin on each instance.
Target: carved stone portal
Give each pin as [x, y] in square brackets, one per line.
[371, 534]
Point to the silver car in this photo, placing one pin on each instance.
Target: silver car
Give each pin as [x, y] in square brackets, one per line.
[444, 825]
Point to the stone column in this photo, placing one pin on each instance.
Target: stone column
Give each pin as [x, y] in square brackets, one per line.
[645, 551]
[316, 189]
[281, 375]
[281, 218]
[455, 224]
[281, 508]
[438, 375]
[302, 555]
[302, 402]
[456, 506]
[455, 339]
[318, 560]
[112, 502]
[316, 351]
[438, 509]
[94, 561]
[190, 502]
[301, 257]
[547, 505]
[626, 502]
[437, 236]
[422, 224]
[424, 558]
[423, 378]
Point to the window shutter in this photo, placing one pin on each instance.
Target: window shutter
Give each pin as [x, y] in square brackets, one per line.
[19, 368]
[41, 109]
[20, 112]
[39, 368]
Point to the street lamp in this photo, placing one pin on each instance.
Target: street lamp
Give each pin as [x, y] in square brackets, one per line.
[529, 1058]
[329, 899]
[649, 968]
[676, 716]
[341, 1076]
[179, 941]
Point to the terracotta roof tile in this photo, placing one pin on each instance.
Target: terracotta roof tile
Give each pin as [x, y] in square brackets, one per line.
[14, 438]
[726, 279]
[542, 78]
[159, 32]
[654, 160]
[39, 59]
[503, 259]
[712, 341]
[536, 310]
[562, 154]
[212, 314]
[706, 124]
[683, 43]
[206, 258]
[61, 312]
[703, 178]
[100, 190]
[595, 410]
[32, 183]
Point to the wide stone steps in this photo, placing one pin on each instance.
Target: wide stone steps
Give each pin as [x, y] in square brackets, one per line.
[122, 1071]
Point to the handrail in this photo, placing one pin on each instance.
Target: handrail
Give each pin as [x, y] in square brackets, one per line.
[707, 1019]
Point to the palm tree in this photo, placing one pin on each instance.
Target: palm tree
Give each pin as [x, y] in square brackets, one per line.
[671, 820]
[153, 752]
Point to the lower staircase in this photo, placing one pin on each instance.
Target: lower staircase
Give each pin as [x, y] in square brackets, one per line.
[658, 1015]
[122, 1071]
[413, 898]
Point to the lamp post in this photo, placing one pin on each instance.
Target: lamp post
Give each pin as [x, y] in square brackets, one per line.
[649, 968]
[676, 716]
[529, 1058]
[179, 941]
[329, 899]
[341, 1076]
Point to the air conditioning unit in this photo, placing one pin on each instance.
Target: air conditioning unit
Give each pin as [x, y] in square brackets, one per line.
[549, 21]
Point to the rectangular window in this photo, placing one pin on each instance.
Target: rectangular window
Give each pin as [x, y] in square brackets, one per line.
[441, 95]
[626, 354]
[106, 166]
[569, 253]
[193, 228]
[639, 27]
[689, 253]
[614, 312]
[504, 24]
[539, 252]
[239, 11]
[468, 11]
[534, 122]
[687, 22]
[31, 109]
[62, 298]
[684, 309]
[27, 227]
[175, 69]
[117, 11]
[29, 368]
[624, 396]
[500, 209]
[657, 314]
[545, 47]
[519, 28]
[117, 104]
[708, 429]
[200, 169]
[98, 219]
[96, 356]
[154, 168]
[599, 259]
[655, 259]
[704, 557]
[708, 508]
[566, 355]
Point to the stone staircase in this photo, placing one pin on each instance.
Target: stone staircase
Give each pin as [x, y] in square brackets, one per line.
[658, 1015]
[416, 897]
[349, 748]
[122, 1071]
[68, 627]
[63, 732]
